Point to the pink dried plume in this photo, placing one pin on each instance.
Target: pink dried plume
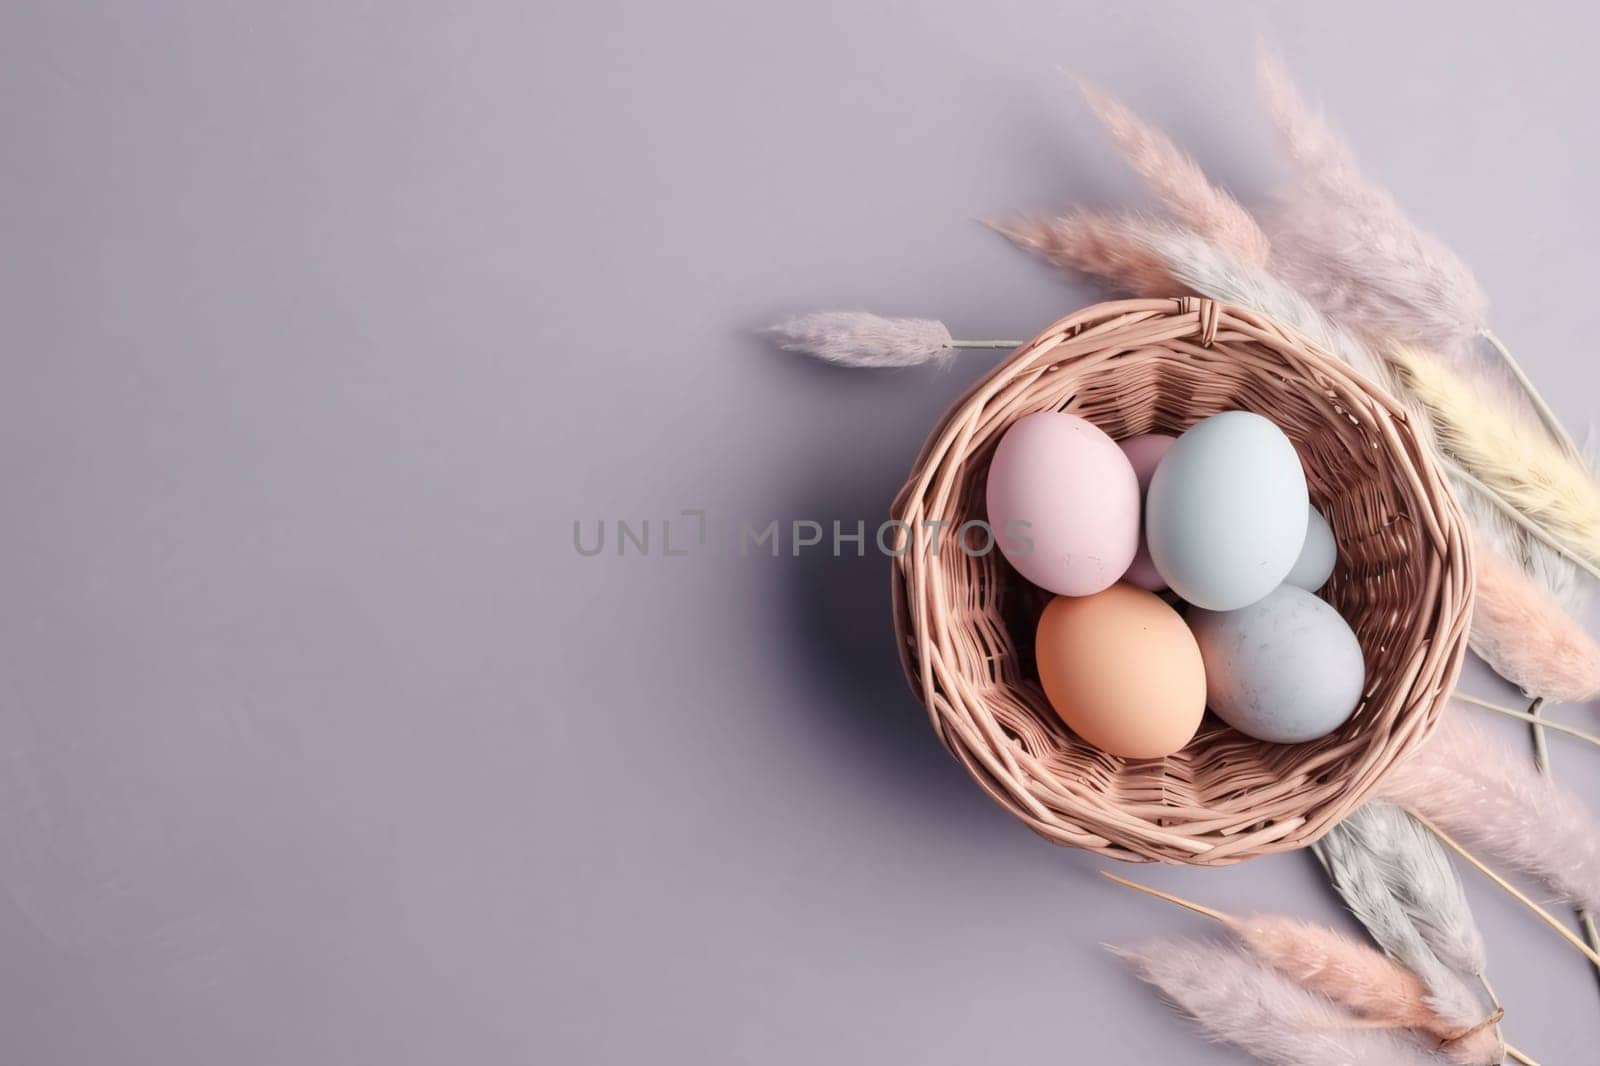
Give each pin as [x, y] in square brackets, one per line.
[1237, 1001]
[1359, 978]
[1346, 244]
[1502, 807]
[1178, 182]
[1114, 248]
[1528, 638]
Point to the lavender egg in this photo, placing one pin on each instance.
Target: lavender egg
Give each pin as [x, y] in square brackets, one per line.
[1063, 502]
[1145, 452]
[1285, 669]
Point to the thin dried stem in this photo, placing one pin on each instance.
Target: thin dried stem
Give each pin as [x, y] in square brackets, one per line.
[985, 344]
[1541, 748]
[1591, 933]
[1515, 893]
[1169, 897]
[1520, 1056]
[1546, 415]
[1533, 719]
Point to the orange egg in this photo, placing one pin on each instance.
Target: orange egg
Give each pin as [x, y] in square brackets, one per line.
[1122, 670]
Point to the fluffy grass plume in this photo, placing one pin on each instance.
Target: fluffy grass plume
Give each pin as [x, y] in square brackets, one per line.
[1238, 1001]
[1528, 640]
[1178, 182]
[861, 339]
[1346, 244]
[1397, 880]
[1372, 985]
[1517, 460]
[1503, 808]
[1114, 249]
[1358, 874]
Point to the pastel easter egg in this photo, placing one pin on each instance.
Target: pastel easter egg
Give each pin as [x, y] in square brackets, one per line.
[1317, 556]
[1285, 669]
[1122, 671]
[1225, 516]
[1144, 452]
[1063, 502]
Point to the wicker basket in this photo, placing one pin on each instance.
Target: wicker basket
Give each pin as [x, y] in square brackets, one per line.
[966, 621]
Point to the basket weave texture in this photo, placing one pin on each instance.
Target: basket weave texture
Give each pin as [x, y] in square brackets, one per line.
[965, 620]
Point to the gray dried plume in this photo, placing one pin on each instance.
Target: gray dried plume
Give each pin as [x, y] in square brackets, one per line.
[1408, 864]
[1395, 878]
[862, 339]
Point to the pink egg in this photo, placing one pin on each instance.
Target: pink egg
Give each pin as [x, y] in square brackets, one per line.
[1144, 452]
[1064, 503]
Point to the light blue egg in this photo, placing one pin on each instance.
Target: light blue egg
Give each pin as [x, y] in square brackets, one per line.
[1225, 515]
[1317, 556]
[1285, 669]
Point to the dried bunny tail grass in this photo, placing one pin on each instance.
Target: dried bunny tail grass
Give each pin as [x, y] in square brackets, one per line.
[1547, 571]
[1346, 971]
[1147, 256]
[1397, 296]
[1397, 879]
[1553, 572]
[1370, 984]
[861, 339]
[1515, 460]
[1346, 244]
[1356, 976]
[1349, 973]
[1416, 869]
[1557, 577]
[1213, 271]
[1112, 248]
[1358, 875]
[1528, 639]
[1501, 807]
[1236, 1000]
[1318, 152]
[1178, 182]
[1524, 585]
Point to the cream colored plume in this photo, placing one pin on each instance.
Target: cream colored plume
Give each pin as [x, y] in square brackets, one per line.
[1516, 460]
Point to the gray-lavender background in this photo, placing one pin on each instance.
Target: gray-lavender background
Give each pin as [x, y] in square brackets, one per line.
[321, 322]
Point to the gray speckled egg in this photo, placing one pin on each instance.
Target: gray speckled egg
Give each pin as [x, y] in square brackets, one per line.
[1225, 517]
[1285, 669]
[1317, 557]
